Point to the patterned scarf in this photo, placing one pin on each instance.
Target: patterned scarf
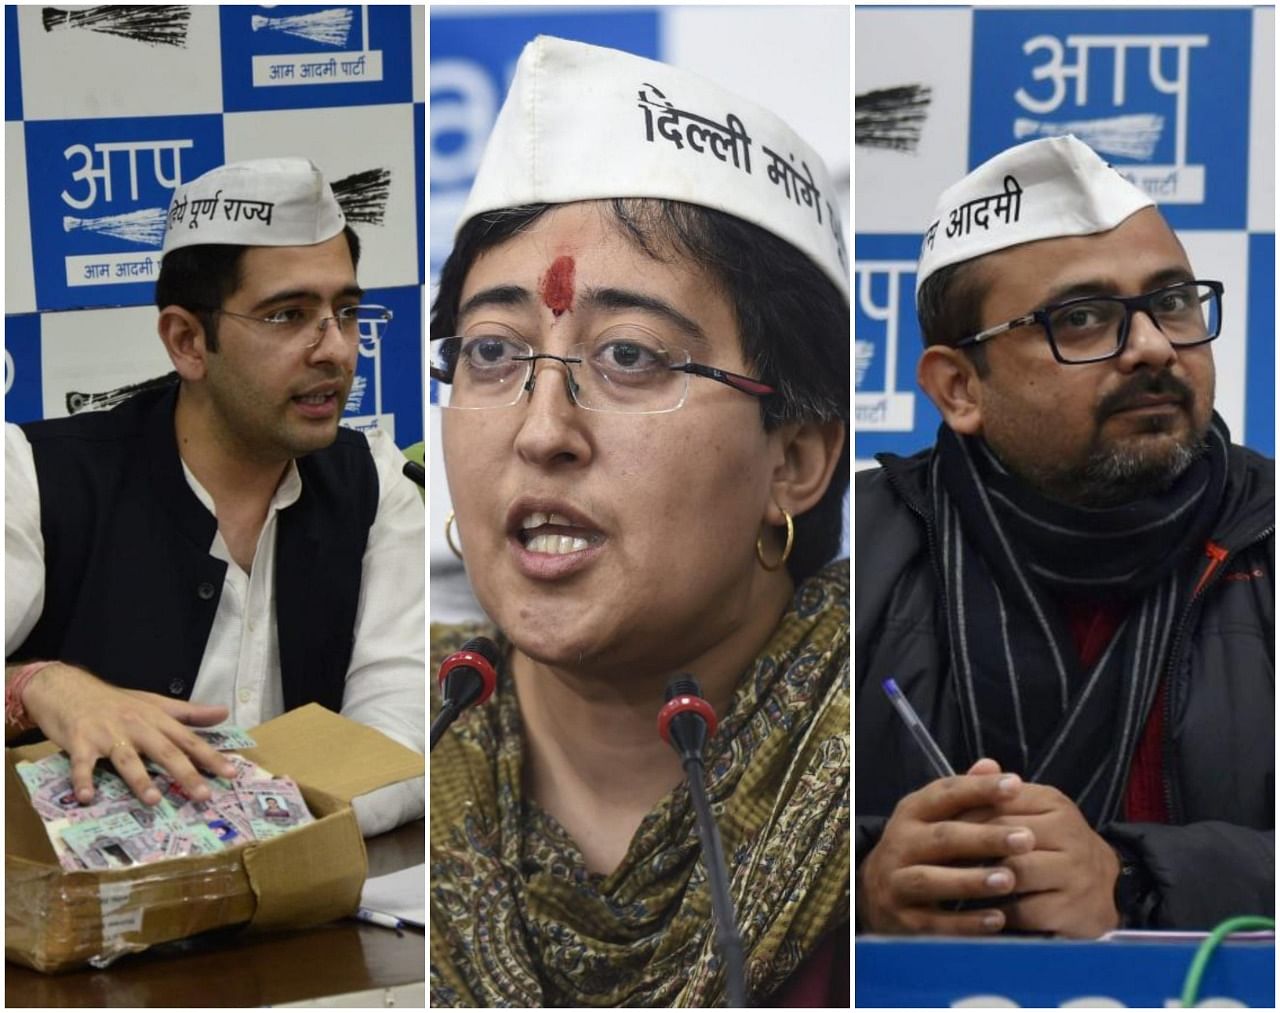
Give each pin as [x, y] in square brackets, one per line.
[517, 920]
[1008, 556]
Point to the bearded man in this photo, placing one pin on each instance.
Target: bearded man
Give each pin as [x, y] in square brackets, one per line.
[1073, 587]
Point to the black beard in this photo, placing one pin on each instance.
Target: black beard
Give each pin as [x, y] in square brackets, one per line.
[1114, 475]
[1123, 472]
[1121, 475]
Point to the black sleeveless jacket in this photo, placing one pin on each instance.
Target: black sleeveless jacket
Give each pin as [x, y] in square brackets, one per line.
[130, 588]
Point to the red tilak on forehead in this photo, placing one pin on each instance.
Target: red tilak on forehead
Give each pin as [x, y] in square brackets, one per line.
[557, 286]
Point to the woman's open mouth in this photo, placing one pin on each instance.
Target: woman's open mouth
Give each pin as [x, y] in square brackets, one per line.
[552, 534]
[550, 543]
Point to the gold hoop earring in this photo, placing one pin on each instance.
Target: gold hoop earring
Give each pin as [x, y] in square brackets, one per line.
[448, 535]
[786, 549]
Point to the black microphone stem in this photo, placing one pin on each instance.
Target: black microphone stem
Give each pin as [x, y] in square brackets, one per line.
[448, 714]
[727, 937]
[686, 721]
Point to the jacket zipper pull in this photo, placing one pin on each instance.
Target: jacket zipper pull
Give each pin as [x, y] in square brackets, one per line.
[1216, 554]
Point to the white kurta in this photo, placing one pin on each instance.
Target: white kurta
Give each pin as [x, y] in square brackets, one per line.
[386, 680]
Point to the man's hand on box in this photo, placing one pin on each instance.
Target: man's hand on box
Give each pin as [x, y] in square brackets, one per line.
[91, 719]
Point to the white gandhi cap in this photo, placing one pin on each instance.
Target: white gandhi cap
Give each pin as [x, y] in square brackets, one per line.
[1043, 189]
[586, 123]
[266, 202]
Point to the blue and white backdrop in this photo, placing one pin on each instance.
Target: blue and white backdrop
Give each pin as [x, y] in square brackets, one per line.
[1181, 100]
[108, 108]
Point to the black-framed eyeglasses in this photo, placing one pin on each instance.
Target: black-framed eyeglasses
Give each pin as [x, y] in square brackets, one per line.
[625, 371]
[1095, 328]
[297, 324]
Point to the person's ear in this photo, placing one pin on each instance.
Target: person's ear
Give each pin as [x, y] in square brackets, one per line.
[186, 341]
[810, 453]
[951, 380]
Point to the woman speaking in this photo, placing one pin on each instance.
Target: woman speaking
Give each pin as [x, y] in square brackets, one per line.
[641, 343]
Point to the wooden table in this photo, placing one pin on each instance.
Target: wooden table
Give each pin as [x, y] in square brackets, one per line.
[230, 968]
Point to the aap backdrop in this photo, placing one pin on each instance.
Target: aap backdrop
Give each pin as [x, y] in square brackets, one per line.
[1180, 100]
[792, 60]
[109, 108]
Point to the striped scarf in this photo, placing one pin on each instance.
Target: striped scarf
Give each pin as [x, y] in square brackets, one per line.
[1008, 557]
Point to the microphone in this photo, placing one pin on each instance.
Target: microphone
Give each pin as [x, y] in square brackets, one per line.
[466, 677]
[413, 470]
[685, 723]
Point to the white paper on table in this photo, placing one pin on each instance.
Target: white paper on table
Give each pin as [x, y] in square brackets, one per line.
[1183, 936]
[400, 894]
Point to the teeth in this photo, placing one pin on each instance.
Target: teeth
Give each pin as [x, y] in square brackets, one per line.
[536, 520]
[314, 398]
[556, 545]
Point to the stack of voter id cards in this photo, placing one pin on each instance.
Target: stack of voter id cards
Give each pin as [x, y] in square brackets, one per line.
[119, 830]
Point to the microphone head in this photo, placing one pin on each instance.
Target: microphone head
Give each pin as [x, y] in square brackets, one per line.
[415, 472]
[484, 647]
[470, 674]
[683, 685]
[684, 697]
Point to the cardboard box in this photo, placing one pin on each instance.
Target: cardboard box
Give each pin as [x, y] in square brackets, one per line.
[56, 919]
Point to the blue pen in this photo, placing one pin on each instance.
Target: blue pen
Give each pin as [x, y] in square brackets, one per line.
[378, 918]
[918, 731]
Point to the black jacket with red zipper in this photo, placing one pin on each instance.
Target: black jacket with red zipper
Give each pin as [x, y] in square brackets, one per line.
[1215, 857]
